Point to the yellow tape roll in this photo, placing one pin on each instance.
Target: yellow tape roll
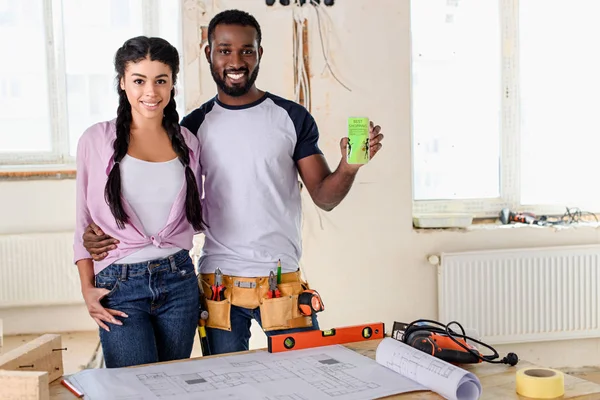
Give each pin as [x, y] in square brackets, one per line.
[540, 383]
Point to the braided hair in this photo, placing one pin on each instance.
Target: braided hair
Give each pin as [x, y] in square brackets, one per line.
[135, 50]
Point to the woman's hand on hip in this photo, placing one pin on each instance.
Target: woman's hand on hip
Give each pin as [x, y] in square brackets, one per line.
[92, 297]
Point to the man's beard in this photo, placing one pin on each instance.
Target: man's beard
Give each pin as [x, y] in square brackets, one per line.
[234, 91]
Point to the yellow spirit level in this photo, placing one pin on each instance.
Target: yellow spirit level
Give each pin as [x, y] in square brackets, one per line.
[317, 338]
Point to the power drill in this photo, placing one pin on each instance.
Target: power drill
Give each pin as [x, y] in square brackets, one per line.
[440, 341]
[441, 346]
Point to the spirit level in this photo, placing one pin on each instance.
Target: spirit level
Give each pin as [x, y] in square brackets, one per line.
[317, 338]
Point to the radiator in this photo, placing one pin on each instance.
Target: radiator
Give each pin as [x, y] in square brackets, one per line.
[522, 295]
[37, 270]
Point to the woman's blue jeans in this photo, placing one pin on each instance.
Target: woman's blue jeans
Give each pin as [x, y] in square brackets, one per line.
[161, 298]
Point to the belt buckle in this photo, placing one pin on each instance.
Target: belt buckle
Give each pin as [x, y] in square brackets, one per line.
[244, 284]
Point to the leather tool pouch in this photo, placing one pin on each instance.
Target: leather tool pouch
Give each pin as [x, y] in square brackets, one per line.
[219, 312]
[283, 312]
[278, 313]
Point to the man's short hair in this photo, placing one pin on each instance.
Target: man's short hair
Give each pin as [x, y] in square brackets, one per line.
[233, 17]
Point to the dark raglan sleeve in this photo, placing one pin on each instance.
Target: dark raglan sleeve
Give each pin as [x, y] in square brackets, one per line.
[193, 120]
[307, 143]
[307, 132]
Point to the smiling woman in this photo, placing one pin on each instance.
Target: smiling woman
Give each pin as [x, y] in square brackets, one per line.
[146, 93]
[138, 177]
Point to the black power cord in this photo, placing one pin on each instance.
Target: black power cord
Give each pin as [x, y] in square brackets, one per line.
[572, 215]
[510, 359]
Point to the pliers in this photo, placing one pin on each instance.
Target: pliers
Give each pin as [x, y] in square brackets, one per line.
[273, 289]
[218, 290]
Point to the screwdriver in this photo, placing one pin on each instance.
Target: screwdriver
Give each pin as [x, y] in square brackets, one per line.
[202, 325]
[202, 333]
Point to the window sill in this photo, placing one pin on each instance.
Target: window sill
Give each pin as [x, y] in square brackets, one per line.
[37, 172]
[489, 224]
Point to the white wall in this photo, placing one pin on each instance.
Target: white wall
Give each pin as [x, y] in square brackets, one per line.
[37, 206]
[366, 260]
[373, 53]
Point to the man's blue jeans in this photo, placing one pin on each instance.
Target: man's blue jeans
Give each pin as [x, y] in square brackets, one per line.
[161, 298]
[238, 338]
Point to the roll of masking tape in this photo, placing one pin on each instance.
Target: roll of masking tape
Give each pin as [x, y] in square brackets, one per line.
[540, 383]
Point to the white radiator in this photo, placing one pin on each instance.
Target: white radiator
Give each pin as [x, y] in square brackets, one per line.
[37, 270]
[523, 295]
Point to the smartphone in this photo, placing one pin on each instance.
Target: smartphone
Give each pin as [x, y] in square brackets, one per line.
[357, 151]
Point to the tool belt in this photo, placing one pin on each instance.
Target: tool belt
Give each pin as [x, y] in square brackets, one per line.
[276, 313]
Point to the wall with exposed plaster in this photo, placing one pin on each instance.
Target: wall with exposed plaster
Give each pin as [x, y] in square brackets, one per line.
[364, 257]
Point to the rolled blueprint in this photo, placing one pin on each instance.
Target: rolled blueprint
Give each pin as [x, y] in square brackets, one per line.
[447, 380]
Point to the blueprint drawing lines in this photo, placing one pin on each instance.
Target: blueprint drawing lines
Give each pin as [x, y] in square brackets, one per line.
[324, 373]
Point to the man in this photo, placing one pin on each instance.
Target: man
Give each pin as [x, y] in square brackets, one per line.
[253, 145]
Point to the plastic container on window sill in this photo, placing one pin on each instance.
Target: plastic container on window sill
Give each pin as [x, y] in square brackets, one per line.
[442, 220]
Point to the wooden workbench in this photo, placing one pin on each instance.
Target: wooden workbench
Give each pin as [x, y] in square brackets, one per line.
[498, 381]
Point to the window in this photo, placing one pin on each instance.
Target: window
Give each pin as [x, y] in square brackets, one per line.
[59, 78]
[505, 105]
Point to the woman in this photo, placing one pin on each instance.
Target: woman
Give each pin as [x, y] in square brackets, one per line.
[138, 177]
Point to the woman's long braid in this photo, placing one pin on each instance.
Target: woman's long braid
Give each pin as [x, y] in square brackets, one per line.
[193, 209]
[112, 192]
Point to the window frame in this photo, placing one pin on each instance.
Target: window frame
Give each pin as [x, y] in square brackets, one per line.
[510, 149]
[59, 158]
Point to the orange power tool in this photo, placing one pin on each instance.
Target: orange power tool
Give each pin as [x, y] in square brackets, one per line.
[441, 346]
[440, 341]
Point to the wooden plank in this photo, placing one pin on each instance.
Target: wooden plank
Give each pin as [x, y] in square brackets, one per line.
[17, 385]
[42, 354]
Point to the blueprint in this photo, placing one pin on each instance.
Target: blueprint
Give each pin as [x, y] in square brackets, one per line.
[450, 381]
[332, 372]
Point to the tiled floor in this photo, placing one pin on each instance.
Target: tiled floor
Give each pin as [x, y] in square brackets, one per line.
[82, 348]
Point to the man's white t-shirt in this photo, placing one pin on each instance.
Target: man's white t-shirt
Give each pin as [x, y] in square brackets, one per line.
[251, 192]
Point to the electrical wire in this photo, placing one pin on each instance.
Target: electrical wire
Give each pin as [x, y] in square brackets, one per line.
[301, 78]
[300, 73]
[572, 215]
[575, 215]
[317, 8]
[510, 359]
